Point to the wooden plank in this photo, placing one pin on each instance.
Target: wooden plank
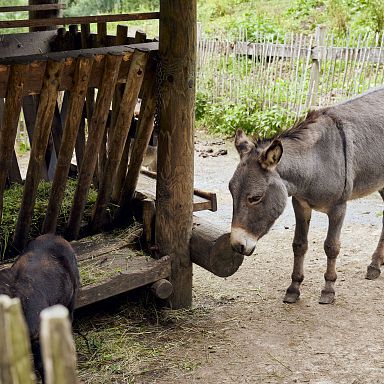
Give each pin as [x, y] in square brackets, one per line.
[174, 194]
[8, 128]
[96, 132]
[36, 7]
[101, 34]
[37, 66]
[146, 271]
[44, 14]
[75, 111]
[78, 20]
[21, 44]
[42, 131]
[119, 137]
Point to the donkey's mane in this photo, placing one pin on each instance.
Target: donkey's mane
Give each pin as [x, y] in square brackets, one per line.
[300, 131]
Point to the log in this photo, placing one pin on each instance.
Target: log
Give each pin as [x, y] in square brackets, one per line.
[211, 249]
[96, 133]
[57, 346]
[15, 349]
[162, 289]
[10, 120]
[174, 193]
[75, 111]
[42, 131]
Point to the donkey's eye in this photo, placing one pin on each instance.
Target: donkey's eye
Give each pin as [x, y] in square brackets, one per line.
[254, 199]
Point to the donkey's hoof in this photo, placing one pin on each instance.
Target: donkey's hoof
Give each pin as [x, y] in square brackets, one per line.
[291, 297]
[372, 272]
[327, 297]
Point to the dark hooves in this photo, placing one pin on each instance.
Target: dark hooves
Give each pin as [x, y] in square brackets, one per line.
[372, 272]
[291, 297]
[327, 297]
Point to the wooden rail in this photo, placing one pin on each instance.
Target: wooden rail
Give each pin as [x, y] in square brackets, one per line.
[37, 7]
[78, 20]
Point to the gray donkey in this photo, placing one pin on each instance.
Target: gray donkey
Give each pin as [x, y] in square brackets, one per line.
[334, 155]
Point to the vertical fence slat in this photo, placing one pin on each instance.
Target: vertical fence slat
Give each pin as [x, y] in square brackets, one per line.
[58, 347]
[44, 117]
[8, 128]
[15, 350]
[95, 136]
[120, 134]
[75, 110]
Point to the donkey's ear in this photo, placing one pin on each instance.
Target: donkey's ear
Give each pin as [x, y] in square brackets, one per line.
[242, 143]
[271, 155]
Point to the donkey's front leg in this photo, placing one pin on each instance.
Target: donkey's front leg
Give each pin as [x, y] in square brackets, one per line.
[300, 246]
[332, 249]
[373, 270]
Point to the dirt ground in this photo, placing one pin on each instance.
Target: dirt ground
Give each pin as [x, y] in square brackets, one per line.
[239, 330]
[250, 336]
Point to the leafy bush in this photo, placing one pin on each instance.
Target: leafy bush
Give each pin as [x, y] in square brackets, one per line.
[225, 117]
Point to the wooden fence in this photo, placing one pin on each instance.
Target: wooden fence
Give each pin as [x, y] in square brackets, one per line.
[294, 71]
[58, 348]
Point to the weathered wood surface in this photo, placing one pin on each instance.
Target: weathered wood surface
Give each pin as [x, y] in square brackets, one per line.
[57, 346]
[143, 134]
[146, 184]
[174, 194]
[38, 63]
[15, 350]
[119, 136]
[162, 289]
[96, 133]
[211, 249]
[21, 44]
[10, 120]
[133, 273]
[42, 14]
[78, 20]
[74, 115]
[42, 131]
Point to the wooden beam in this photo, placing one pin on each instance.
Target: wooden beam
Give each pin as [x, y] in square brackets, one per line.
[72, 123]
[149, 272]
[78, 20]
[41, 134]
[174, 196]
[96, 133]
[42, 14]
[37, 7]
[8, 127]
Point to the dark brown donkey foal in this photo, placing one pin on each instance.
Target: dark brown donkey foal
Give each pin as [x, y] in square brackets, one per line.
[336, 154]
[45, 274]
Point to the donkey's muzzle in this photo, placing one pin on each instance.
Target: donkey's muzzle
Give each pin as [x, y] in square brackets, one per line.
[242, 241]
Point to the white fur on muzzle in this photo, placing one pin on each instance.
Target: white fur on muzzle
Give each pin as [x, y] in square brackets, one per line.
[243, 241]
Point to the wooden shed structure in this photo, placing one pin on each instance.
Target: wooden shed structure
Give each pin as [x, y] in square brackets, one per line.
[77, 92]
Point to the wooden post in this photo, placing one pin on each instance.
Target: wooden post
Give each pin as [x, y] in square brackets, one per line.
[75, 111]
[174, 194]
[15, 349]
[42, 131]
[58, 347]
[43, 14]
[312, 97]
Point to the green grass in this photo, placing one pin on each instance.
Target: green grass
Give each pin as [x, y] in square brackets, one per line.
[12, 202]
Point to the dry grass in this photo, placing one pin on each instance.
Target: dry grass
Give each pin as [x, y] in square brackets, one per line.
[136, 342]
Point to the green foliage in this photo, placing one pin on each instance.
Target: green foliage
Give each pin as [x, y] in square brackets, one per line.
[248, 114]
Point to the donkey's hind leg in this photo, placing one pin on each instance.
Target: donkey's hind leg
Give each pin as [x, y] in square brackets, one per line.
[373, 270]
[300, 246]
